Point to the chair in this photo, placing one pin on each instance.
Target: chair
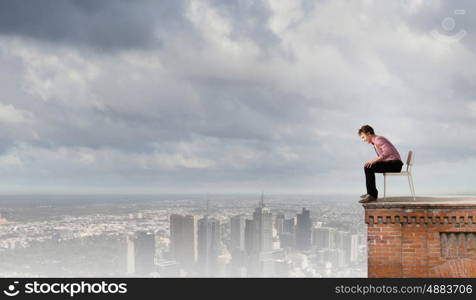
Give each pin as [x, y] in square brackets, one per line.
[407, 173]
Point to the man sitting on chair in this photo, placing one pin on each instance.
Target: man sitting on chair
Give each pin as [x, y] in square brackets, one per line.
[388, 160]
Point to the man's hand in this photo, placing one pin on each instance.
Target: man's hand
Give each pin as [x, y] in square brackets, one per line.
[369, 163]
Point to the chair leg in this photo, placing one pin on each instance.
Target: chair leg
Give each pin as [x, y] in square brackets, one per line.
[384, 187]
[413, 188]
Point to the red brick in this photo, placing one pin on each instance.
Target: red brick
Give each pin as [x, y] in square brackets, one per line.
[404, 242]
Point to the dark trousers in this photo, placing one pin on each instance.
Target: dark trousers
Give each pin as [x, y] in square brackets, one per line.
[380, 167]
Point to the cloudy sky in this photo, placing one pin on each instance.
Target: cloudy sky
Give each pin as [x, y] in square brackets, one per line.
[233, 96]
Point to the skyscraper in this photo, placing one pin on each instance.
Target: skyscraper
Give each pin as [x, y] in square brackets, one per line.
[287, 240]
[285, 229]
[354, 248]
[303, 230]
[208, 244]
[289, 225]
[264, 219]
[237, 245]
[140, 253]
[346, 246]
[251, 237]
[237, 232]
[279, 223]
[183, 239]
[323, 237]
[258, 238]
[341, 239]
[332, 238]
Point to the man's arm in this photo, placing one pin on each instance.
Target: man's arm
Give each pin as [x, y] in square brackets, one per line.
[383, 145]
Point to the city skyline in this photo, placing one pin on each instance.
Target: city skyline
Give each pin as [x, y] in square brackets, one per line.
[226, 237]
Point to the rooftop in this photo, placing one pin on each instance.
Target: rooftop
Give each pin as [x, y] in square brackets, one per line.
[423, 202]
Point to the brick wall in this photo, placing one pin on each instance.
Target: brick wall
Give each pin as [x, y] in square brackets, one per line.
[432, 240]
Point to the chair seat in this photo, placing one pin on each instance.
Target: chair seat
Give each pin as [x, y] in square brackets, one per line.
[402, 173]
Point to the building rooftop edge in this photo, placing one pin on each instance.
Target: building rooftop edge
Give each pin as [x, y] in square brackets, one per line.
[424, 202]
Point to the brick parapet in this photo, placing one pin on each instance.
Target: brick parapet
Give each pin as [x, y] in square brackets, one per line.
[421, 240]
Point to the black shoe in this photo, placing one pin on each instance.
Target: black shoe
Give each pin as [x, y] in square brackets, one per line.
[368, 199]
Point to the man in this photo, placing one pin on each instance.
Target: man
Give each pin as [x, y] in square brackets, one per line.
[388, 160]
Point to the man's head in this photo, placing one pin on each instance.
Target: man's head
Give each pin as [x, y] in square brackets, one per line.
[366, 133]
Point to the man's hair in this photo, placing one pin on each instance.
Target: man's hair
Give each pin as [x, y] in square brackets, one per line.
[366, 129]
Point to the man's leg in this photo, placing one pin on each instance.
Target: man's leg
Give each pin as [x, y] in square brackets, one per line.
[379, 167]
[370, 182]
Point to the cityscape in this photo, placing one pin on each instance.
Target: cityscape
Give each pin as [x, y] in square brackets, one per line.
[182, 236]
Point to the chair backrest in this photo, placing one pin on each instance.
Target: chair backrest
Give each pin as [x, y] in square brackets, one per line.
[410, 158]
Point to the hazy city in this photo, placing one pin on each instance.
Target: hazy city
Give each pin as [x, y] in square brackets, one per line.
[177, 236]
[212, 138]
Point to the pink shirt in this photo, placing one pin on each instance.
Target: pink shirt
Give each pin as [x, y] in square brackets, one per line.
[385, 149]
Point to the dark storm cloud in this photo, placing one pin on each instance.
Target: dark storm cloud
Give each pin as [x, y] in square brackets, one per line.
[105, 24]
[229, 111]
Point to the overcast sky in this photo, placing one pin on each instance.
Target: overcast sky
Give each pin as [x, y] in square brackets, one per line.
[234, 96]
